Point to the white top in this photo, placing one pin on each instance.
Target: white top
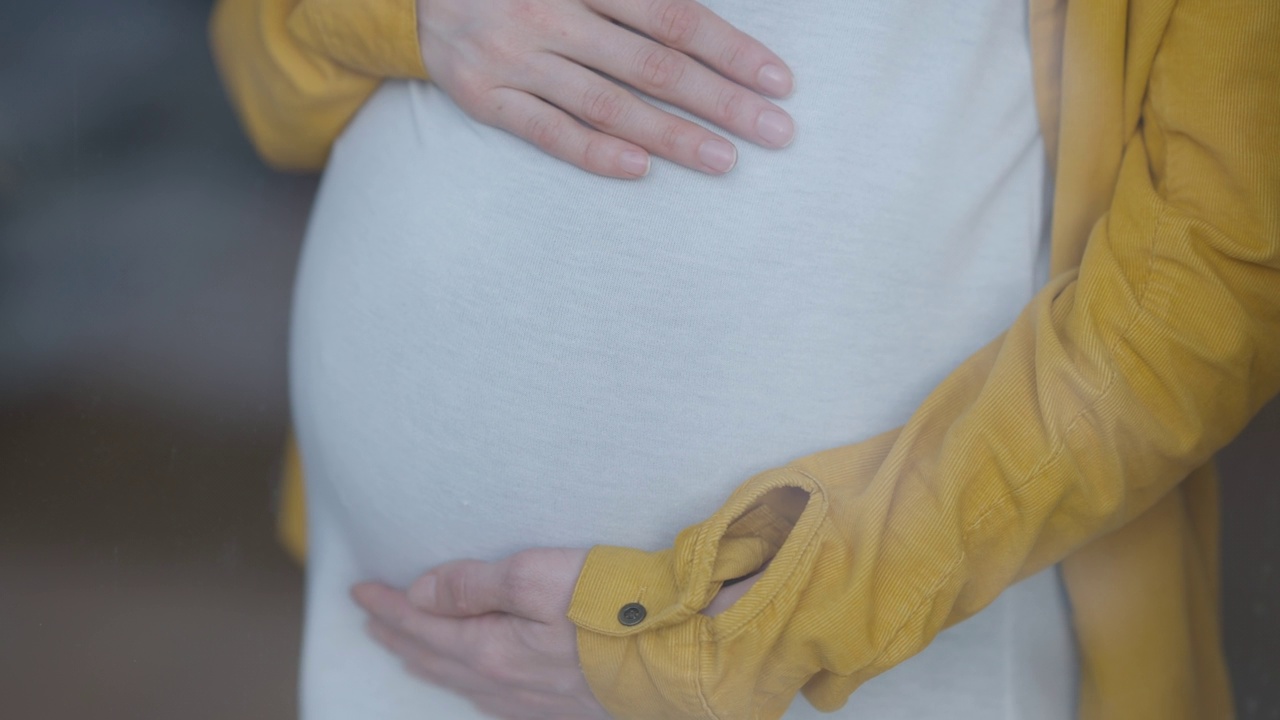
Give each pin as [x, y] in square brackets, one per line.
[493, 350]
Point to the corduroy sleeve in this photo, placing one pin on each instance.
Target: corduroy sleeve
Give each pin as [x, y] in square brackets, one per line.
[1113, 384]
[298, 70]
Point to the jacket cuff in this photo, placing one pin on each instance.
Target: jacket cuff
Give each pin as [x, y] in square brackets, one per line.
[375, 37]
[645, 648]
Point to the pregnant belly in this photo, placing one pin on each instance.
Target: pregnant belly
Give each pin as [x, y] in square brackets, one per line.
[493, 350]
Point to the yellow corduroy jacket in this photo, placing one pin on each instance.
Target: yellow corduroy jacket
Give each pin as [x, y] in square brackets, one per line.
[1083, 434]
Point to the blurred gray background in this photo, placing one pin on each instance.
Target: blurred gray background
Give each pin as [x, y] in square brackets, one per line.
[146, 259]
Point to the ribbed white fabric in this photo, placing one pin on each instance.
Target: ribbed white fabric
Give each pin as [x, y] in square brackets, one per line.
[493, 350]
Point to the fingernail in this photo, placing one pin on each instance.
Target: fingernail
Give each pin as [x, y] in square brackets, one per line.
[776, 128]
[634, 162]
[423, 592]
[718, 155]
[774, 80]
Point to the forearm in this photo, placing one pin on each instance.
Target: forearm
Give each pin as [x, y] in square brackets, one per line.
[1113, 384]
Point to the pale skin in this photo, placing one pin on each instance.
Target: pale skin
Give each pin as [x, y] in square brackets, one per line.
[526, 66]
[497, 633]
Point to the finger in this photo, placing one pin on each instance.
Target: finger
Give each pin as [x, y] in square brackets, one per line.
[432, 667]
[615, 111]
[481, 653]
[393, 608]
[465, 588]
[556, 133]
[462, 639]
[672, 76]
[689, 27]
[385, 604]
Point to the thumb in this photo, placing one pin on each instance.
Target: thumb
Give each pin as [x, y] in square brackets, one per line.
[462, 588]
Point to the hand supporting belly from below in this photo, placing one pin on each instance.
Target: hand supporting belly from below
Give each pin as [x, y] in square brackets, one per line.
[497, 632]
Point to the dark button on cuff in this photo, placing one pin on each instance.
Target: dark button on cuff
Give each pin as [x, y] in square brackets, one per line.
[632, 614]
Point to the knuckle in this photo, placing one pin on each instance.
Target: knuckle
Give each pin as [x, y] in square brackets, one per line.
[497, 49]
[732, 55]
[660, 68]
[543, 131]
[672, 138]
[729, 104]
[534, 15]
[462, 593]
[603, 108]
[595, 157]
[677, 22]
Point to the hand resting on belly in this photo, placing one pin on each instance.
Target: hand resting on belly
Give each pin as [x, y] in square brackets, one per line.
[531, 67]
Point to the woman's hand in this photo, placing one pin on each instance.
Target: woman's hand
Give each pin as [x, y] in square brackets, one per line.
[531, 66]
[498, 633]
[495, 633]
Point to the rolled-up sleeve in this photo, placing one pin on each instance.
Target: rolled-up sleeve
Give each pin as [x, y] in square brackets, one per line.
[298, 70]
[1115, 383]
